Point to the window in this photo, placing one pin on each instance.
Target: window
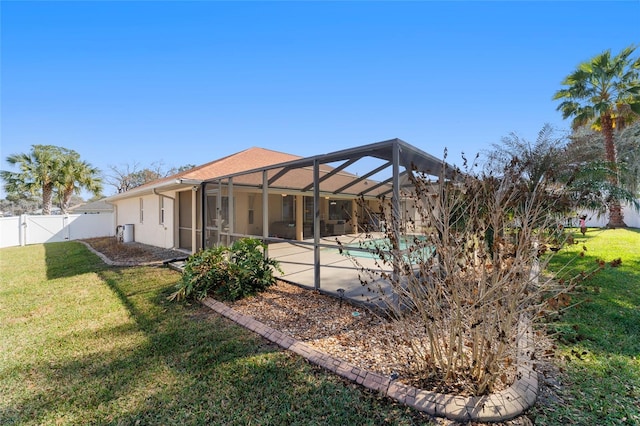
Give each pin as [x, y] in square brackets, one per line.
[288, 208]
[308, 210]
[141, 210]
[252, 199]
[212, 210]
[161, 210]
[339, 209]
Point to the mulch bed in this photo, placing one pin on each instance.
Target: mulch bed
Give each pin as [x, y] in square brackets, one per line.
[340, 329]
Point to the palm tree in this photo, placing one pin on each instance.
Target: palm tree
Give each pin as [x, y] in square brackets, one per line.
[541, 159]
[585, 152]
[74, 175]
[604, 92]
[38, 172]
[47, 169]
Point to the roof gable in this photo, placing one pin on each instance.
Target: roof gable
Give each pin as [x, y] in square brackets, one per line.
[94, 206]
[248, 159]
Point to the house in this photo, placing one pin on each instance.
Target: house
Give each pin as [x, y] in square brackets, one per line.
[54, 211]
[269, 194]
[163, 212]
[94, 207]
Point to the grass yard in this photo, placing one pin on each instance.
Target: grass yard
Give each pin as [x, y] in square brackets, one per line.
[82, 343]
[599, 340]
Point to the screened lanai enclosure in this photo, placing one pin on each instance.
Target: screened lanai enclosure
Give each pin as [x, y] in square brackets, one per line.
[309, 210]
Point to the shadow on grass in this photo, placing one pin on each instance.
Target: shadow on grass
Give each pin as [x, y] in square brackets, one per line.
[177, 364]
[68, 259]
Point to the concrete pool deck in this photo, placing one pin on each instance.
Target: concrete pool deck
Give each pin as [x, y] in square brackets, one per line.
[337, 271]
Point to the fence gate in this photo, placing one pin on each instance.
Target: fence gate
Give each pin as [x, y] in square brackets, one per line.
[36, 229]
[52, 229]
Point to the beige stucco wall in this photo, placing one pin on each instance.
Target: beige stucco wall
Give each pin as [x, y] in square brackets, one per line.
[244, 202]
[275, 208]
[241, 209]
[150, 230]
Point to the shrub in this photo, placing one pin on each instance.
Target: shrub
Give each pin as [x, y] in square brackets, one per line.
[250, 271]
[469, 273]
[231, 273]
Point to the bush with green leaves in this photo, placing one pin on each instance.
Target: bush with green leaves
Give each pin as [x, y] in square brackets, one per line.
[230, 273]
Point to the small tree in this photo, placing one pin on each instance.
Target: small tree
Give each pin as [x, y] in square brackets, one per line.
[128, 176]
[544, 158]
[575, 163]
[475, 246]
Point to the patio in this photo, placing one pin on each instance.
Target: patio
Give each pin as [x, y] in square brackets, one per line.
[337, 270]
[294, 206]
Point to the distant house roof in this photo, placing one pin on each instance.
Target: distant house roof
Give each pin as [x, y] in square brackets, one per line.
[54, 210]
[99, 206]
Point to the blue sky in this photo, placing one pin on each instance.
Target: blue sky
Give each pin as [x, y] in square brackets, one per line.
[188, 82]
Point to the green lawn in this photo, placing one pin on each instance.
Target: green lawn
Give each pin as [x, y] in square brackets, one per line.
[599, 340]
[82, 343]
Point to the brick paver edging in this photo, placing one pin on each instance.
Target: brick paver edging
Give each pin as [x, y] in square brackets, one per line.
[110, 262]
[499, 406]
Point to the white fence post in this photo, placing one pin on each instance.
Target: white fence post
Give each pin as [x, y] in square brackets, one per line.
[22, 229]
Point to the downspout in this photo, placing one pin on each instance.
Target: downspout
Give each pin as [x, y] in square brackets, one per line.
[219, 213]
[230, 210]
[155, 192]
[115, 217]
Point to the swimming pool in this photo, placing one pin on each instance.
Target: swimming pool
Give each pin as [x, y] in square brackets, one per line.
[373, 249]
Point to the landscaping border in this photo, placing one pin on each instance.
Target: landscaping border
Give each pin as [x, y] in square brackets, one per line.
[110, 262]
[495, 407]
[499, 406]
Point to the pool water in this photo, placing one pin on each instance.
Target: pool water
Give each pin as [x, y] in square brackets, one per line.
[369, 248]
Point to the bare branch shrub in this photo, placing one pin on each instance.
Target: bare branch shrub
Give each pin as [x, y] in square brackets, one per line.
[467, 254]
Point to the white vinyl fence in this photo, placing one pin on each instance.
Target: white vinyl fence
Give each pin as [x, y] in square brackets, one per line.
[34, 229]
[631, 218]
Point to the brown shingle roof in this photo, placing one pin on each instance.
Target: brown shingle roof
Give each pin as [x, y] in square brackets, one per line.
[248, 159]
